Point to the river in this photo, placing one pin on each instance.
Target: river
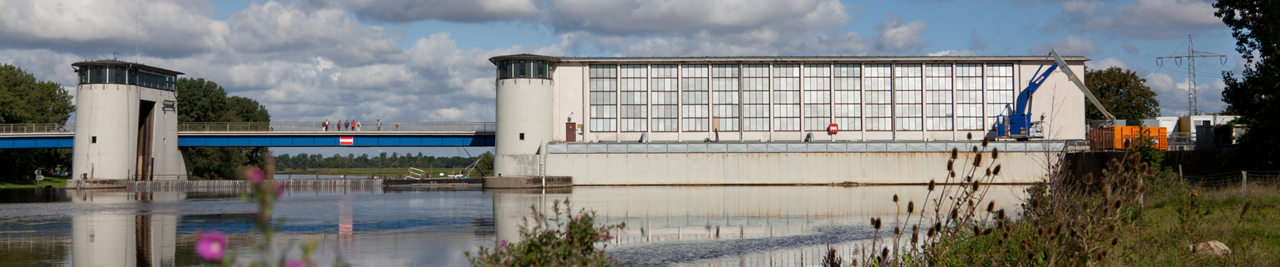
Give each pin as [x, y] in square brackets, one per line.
[666, 225]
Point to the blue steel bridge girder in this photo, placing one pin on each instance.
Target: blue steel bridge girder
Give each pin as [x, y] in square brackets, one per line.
[186, 140]
[23, 141]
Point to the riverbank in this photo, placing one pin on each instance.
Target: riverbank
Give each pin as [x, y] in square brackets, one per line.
[365, 172]
[1117, 222]
[55, 181]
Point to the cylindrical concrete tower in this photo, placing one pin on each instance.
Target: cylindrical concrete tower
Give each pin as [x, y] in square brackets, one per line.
[126, 125]
[524, 113]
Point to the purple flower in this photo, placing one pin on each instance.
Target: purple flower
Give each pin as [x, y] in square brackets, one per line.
[211, 245]
[256, 176]
[504, 244]
[294, 263]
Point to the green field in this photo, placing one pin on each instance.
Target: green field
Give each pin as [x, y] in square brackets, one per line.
[55, 181]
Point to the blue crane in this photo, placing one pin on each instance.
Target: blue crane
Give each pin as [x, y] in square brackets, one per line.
[1018, 125]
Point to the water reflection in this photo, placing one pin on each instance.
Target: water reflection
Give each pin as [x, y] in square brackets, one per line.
[666, 226]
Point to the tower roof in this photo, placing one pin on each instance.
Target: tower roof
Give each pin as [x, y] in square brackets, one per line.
[112, 62]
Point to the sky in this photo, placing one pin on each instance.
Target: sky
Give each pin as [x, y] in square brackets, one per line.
[415, 60]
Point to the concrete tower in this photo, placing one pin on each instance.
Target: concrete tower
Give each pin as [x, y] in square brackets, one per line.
[524, 113]
[126, 125]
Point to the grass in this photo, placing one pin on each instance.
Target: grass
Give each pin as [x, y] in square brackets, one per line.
[55, 181]
[1132, 215]
[1170, 223]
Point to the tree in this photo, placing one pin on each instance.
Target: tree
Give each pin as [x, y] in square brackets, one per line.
[1123, 93]
[1255, 94]
[204, 101]
[24, 99]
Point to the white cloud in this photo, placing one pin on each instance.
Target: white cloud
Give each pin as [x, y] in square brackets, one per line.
[1155, 19]
[729, 20]
[1073, 45]
[164, 28]
[279, 30]
[945, 53]
[898, 37]
[444, 10]
[1173, 95]
[1102, 64]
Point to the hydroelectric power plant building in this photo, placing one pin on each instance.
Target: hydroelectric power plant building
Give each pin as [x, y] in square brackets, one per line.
[772, 120]
[127, 124]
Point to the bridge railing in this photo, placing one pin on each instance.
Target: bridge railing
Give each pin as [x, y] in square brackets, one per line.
[37, 127]
[333, 126]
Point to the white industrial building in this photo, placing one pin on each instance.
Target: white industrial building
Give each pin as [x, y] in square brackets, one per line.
[547, 104]
[126, 125]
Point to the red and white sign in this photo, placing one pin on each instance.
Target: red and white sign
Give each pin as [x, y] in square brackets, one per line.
[346, 140]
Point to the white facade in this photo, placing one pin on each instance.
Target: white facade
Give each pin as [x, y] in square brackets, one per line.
[126, 129]
[762, 100]
[784, 99]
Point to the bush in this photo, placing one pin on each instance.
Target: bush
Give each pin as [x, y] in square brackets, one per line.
[572, 242]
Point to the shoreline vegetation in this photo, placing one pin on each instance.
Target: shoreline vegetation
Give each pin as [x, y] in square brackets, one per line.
[361, 172]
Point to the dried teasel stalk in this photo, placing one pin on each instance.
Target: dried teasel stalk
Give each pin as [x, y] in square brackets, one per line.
[977, 160]
[911, 207]
[932, 183]
[996, 171]
[995, 153]
[984, 142]
[991, 206]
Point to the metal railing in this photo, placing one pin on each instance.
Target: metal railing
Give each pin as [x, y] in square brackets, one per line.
[319, 126]
[37, 128]
[802, 147]
[273, 126]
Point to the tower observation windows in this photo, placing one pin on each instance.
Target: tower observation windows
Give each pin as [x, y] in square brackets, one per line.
[118, 72]
[524, 68]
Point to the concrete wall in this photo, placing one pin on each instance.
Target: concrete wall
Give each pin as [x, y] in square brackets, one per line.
[110, 113]
[786, 168]
[523, 107]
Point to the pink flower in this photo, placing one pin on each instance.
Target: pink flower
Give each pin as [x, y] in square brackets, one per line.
[256, 176]
[211, 245]
[294, 263]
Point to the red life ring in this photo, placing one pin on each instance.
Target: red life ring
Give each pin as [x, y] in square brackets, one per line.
[833, 128]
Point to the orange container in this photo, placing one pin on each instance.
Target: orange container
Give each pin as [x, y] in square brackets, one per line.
[1123, 137]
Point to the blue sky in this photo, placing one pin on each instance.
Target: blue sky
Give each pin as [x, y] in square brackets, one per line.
[411, 60]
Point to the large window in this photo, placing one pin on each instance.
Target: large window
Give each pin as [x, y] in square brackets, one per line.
[847, 96]
[786, 97]
[968, 97]
[633, 98]
[664, 98]
[817, 96]
[937, 98]
[695, 98]
[908, 97]
[755, 97]
[724, 95]
[604, 98]
[878, 98]
[999, 91]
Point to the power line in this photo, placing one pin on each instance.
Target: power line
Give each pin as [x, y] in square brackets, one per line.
[1191, 56]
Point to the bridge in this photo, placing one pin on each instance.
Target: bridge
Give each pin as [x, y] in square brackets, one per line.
[277, 134]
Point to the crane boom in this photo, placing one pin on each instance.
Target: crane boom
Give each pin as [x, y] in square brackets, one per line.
[1111, 119]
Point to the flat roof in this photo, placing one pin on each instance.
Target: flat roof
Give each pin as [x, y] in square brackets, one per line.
[112, 62]
[790, 58]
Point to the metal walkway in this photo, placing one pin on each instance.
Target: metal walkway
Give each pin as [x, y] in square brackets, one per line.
[278, 134]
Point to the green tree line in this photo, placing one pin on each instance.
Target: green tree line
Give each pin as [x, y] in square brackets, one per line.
[205, 101]
[305, 161]
[24, 99]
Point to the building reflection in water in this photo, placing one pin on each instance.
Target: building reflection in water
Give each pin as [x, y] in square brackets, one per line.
[734, 225]
[110, 238]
